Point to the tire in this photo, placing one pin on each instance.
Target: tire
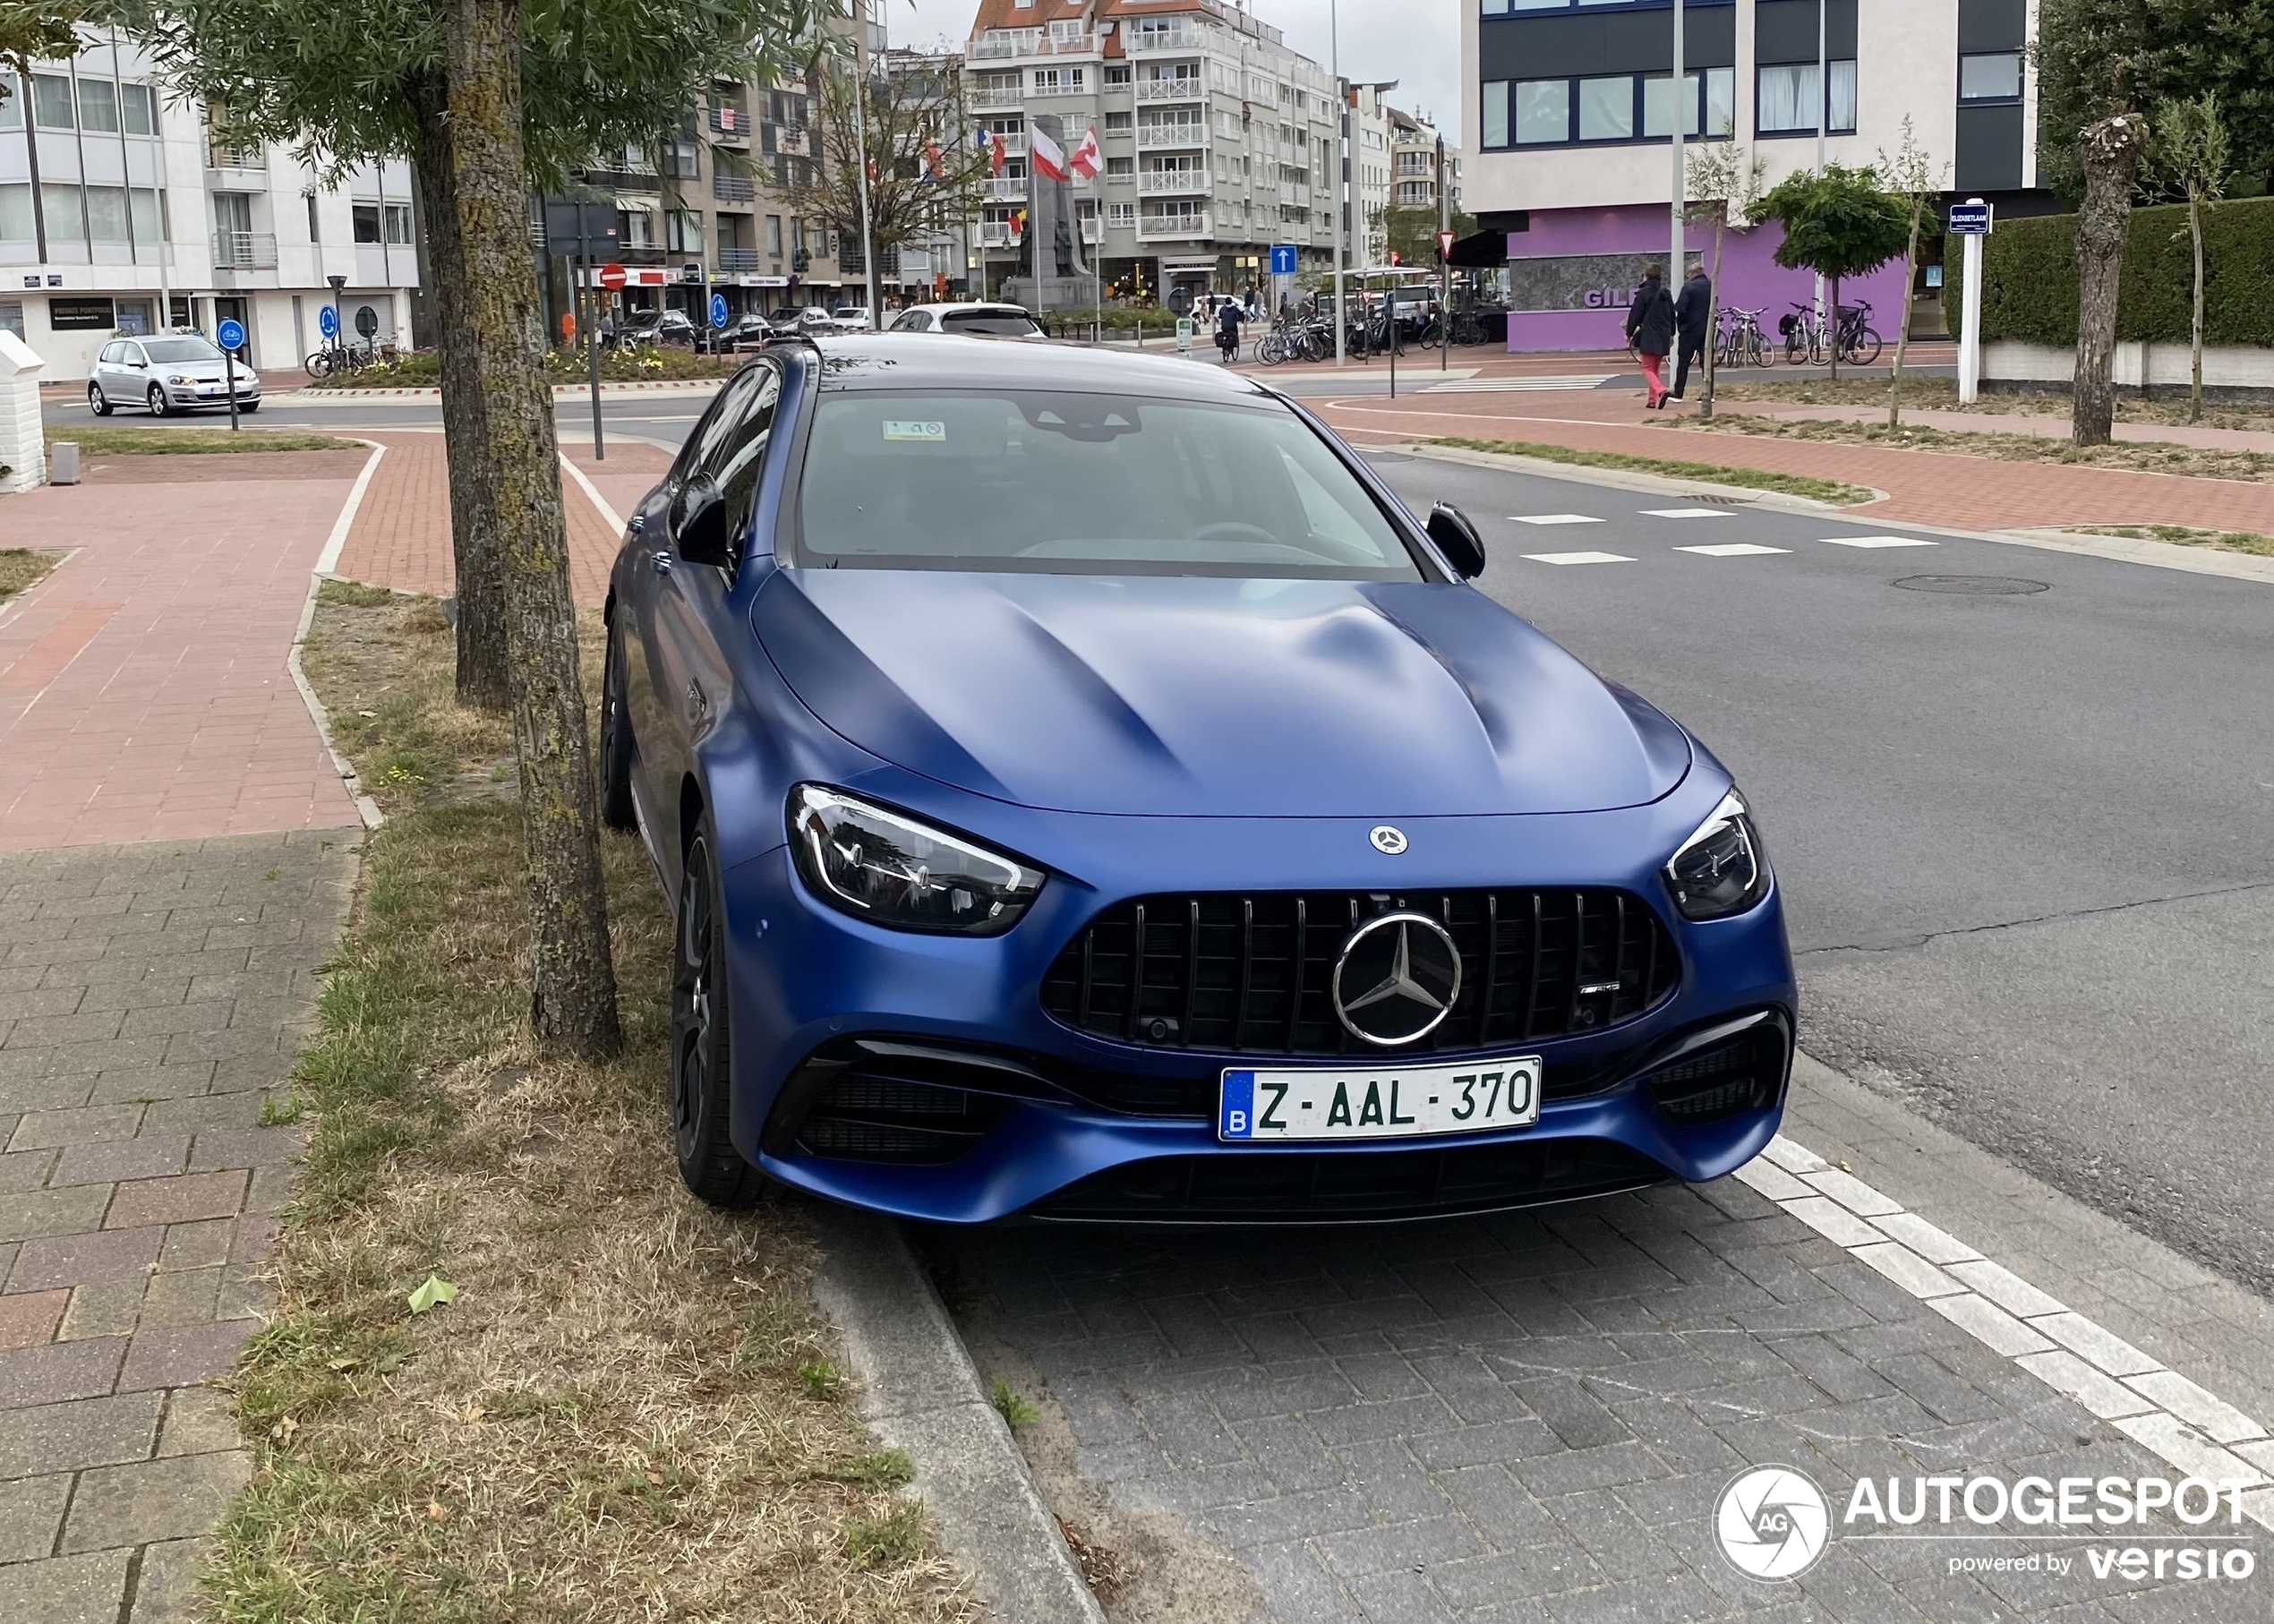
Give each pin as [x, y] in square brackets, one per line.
[617, 751]
[1865, 349]
[318, 365]
[702, 1046]
[245, 408]
[97, 402]
[156, 400]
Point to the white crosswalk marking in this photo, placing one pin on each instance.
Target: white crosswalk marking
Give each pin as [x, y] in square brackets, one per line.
[1496, 386]
[1578, 557]
[1552, 518]
[1687, 513]
[1878, 541]
[1732, 550]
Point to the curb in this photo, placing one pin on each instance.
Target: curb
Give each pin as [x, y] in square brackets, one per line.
[922, 1395]
[366, 807]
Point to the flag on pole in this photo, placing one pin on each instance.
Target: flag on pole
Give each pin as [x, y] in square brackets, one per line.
[1085, 162]
[1048, 157]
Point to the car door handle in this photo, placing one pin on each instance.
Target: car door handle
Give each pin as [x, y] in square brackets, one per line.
[698, 703]
[660, 561]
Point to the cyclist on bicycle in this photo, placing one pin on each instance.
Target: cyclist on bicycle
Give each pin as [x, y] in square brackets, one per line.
[1228, 317]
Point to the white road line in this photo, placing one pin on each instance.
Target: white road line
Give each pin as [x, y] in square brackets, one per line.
[1552, 518]
[607, 513]
[1732, 550]
[1878, 541]
[2191, 1428]
[328, 560]
[1687, 513]
[1578, 557]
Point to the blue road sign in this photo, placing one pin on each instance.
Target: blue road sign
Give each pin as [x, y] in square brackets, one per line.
[230, 334]
[718, 310]
[1970, 219]
[1283, 258]
[327, 323]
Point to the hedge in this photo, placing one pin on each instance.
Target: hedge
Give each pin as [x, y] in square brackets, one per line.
[2029, 277]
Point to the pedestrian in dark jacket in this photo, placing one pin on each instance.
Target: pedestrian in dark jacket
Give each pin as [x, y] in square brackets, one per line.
[1693, 307]
[1650, 329]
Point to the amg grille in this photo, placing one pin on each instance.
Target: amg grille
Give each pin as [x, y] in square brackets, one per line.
[1229, 973]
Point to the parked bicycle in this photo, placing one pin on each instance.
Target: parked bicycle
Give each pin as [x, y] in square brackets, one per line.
[1803, 333]
[1740, 343]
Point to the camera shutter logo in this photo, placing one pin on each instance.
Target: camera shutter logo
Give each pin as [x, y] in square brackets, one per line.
[1772, 1523]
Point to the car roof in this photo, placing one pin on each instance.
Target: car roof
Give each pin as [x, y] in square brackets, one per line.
[993, 307]
[900, 361]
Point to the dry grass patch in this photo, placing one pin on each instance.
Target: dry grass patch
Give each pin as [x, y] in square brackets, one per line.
[22, 568]
[2151, 457]
[2186, 535]
[610, 1421]
[136, 439]
[1719, 473]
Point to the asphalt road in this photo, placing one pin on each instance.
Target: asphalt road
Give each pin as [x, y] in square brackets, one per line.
[2026, 841]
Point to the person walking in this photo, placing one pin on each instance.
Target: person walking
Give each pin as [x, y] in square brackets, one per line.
[1693, 307]
[1650, 331]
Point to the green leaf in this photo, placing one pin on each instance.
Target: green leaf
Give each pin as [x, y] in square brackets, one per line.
[436, 1290]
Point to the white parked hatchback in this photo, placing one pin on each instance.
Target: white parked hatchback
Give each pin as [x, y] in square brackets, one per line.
[166, 373]
[970, 319]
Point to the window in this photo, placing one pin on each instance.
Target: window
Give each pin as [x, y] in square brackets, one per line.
[773, 235]
[366, 222]
[1070, 31]
[11, 310]
[1786, 99]
[1709, 104]
[51, 101]
[683, 231]
[138, 109]
[399, 222]
[150, 215]
[637, 228]
[1543, 111]
[1995, 76]
[1117, 123]
[1117, 74]
[99, 105]
[15, 213]
[1120, 167]
[1607, 109]
[1121, 214]
[106, 214]
[65, 209]
[11, 105]
[679, 159]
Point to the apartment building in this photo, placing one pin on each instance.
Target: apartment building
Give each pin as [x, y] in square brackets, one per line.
[1219, 139]
[1573, 106]
[1415, 147]
[1393, 163]
[122, 210]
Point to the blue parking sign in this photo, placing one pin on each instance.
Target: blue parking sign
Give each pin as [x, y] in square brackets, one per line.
[230, 334]
[718, 310]
[1283, 258]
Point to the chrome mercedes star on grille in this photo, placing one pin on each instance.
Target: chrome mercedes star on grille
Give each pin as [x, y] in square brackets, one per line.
[1411, 971]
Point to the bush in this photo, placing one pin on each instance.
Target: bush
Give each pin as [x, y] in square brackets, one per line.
[2029, 277]
[422, 369]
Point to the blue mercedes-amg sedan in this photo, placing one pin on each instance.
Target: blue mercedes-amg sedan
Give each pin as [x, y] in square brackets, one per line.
[1088, 793]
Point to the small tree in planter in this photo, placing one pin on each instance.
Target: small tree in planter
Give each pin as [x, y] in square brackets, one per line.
[2190, 151]
[1724, 187]
[1916, 181]
[1839, 223]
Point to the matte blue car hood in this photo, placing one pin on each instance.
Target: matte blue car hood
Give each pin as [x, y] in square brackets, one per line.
[1190, 696]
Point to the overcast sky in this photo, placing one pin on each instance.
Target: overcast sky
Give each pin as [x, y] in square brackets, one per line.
[1416, 42]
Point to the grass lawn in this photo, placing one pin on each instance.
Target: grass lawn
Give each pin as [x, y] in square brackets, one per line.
[630, 1409]
[2224, 540]
[22, 568]
[2155, 457]
[1751, 479]
[121, 440]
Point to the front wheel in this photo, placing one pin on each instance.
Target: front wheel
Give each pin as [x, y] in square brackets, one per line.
[615, 742]
[318, 365]
[96, 401]
[245, 408]
[1863, 348]
[702, 1050]
[156, 400]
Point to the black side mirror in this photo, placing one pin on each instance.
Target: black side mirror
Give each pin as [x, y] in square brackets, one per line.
[1457, 539]
[699, 531]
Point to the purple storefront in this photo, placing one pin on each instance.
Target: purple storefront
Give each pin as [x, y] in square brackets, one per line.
[1570, 274]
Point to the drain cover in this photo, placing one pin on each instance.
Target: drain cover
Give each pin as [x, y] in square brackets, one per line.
[1718, 501]
[1972, 585]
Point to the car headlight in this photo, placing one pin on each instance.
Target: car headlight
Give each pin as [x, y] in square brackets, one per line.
[1719, 870]
[179, 377]
[889, 870]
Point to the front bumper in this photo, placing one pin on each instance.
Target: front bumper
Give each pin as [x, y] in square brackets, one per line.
[209, 394]
[1065, 1124]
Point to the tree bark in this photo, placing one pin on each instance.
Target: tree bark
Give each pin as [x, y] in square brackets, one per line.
[2195, 230]
[1834, 325]
[479, 588]
[573, 981]
[2110, 151]
[1902, 332]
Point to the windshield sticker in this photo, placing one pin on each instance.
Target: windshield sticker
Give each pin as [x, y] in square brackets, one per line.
[934, 433]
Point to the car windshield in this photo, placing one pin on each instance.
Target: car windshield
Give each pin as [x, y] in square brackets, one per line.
[179, 350]
[1008, 324]
[1085, 484]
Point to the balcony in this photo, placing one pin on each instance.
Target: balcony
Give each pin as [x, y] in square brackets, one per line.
[1186, 181]
[624, 180]
[1062, 89]
[1189, 133]
[1006, 188]
[223, 154]
[997, 233]
[729, 124]
[1159, 227]
[995, 96]
[1154, 42]
[1010, 45]
[736, 259]
[1090, 228]
[1185, 87]
[732, 188]
[245, 251]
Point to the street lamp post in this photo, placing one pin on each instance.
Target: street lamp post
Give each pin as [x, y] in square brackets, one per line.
[1341, 170]
[1680, 122]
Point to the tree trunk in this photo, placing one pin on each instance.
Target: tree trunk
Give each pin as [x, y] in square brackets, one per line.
[1833, 330]
[2110, 151]
[482, 681]
[573, 981]
[1902, 331]
[2195, 230]
[1712, 305]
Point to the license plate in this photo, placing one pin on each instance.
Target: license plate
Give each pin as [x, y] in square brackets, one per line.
[1385, 1102]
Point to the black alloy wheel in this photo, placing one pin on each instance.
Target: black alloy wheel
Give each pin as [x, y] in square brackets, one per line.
[702, 1051]
[616, 809]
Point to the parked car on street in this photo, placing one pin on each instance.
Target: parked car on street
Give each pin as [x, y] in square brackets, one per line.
[970, 319]
[657, 327]
[166, 373]
[802, 319]
[1088, 793]
[850, 318]
[746, 332]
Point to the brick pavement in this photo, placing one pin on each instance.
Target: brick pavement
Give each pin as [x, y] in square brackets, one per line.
[151, 998]
[143, 692]
[1980, 493]
[1532, 1417]
[402, 533]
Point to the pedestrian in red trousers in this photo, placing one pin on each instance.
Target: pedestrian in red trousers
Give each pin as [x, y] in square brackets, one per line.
[1650, 330]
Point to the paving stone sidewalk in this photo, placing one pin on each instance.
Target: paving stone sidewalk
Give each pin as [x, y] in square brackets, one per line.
[1532, 1417]
[151, 998]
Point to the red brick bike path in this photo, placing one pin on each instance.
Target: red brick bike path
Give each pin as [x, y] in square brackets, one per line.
[1929, 487]
[143, 690]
